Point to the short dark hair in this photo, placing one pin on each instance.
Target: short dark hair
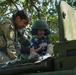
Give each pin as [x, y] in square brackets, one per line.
[34, 32]
[24, 14]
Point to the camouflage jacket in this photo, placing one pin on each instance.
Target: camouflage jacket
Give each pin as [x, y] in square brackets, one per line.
[7, 37]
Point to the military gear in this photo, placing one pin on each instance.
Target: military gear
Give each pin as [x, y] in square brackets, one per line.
[67, 25]
[7, 37]
[23, 59]
[64, 61]
[40, 24]
[3, 57]
[24, 42]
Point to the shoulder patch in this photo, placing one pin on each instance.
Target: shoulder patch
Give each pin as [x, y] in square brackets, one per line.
[12, 35]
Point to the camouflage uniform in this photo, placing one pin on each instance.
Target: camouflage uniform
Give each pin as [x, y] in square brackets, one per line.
[7, 40]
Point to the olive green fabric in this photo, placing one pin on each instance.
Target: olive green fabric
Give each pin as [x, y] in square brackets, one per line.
[7, 36]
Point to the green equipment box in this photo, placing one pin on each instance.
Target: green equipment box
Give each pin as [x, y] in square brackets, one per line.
[65, 55]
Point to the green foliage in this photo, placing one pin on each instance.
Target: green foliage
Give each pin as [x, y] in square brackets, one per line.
[39, 9]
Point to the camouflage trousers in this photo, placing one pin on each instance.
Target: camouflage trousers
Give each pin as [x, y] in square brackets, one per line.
[3, 57]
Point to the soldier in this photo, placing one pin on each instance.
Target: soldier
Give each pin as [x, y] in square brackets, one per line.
[40, 46]
[8, 34]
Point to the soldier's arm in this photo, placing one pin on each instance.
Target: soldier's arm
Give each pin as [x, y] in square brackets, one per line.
[9, 37]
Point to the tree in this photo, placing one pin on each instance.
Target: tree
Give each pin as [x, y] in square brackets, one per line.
[39, 9]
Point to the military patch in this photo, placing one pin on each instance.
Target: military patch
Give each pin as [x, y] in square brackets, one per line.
[12, 34]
